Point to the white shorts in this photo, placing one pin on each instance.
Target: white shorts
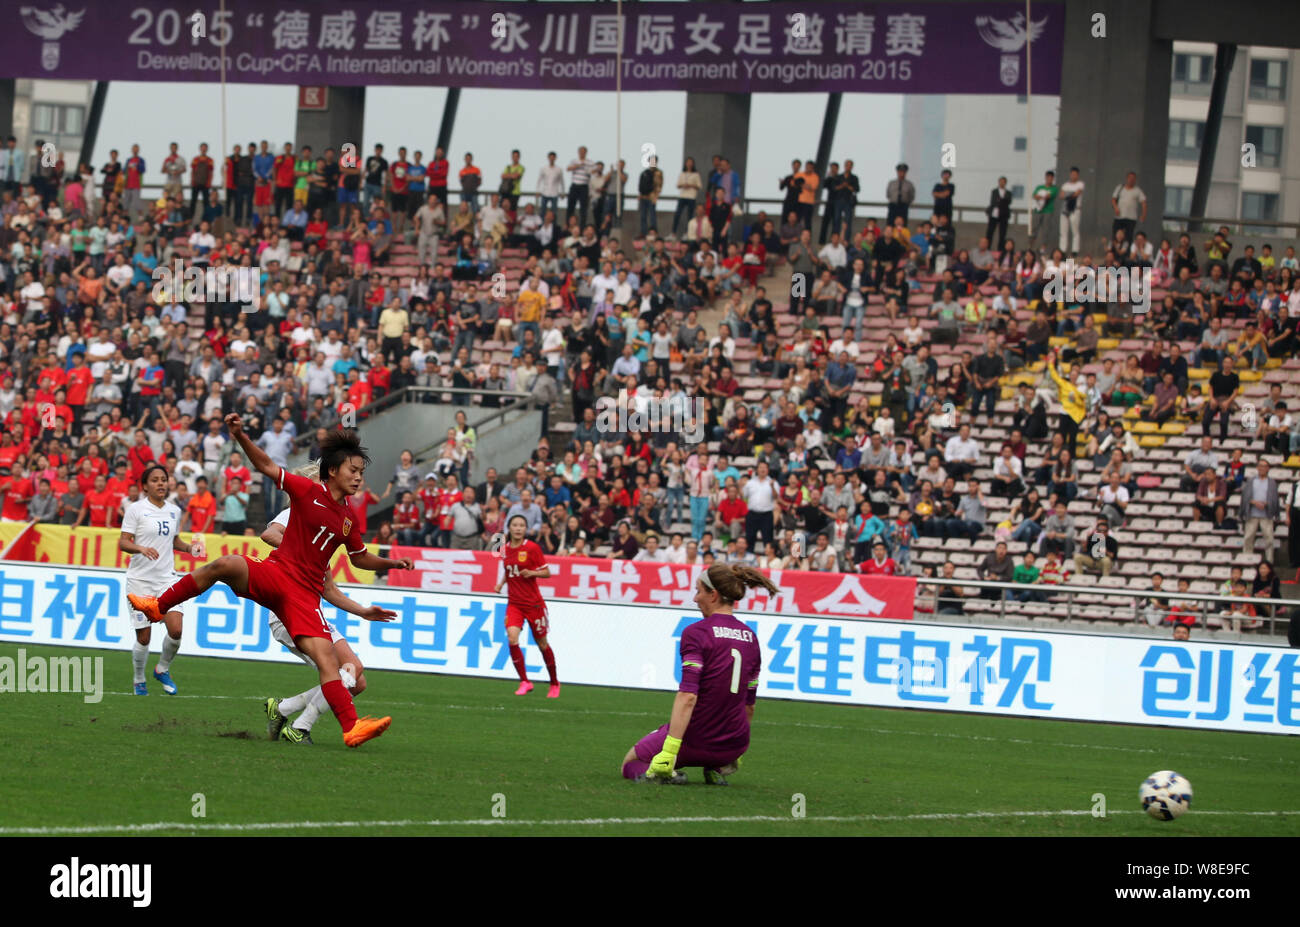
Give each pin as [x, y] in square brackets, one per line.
[154, 588]
[281, 634]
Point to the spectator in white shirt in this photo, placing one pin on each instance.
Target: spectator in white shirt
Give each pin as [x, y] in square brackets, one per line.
[961, 454]
[833, 255]
[723, 337]
[652, 552]
[844, 343]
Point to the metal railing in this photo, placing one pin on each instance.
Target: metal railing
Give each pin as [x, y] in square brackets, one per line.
[1208, 224]
[1201, 600]
[872, 207]
[418, 394]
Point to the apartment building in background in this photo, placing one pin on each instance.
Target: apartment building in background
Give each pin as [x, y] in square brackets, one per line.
[1260, 182]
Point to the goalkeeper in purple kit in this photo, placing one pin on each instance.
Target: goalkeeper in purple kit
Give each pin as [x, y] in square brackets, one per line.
[721, 660]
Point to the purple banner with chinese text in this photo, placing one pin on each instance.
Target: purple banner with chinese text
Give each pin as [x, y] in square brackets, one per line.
[943, 48]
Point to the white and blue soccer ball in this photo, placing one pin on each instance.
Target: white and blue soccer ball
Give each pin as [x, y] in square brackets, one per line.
[1166, 795]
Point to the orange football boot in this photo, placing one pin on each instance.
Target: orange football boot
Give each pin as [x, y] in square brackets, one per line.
[366, 729]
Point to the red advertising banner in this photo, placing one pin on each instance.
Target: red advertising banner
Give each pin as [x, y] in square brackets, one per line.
[626, 582]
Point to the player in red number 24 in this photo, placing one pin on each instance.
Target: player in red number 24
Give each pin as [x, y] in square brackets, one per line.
[523, 564]
[289, 582]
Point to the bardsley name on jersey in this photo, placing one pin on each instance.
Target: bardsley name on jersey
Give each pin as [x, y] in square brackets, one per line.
[737, 634]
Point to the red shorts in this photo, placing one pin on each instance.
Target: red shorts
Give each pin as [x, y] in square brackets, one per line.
[535, 615]
[262, 194]
[297, 608]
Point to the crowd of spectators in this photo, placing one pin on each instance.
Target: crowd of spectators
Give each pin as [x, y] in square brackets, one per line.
[370, 280]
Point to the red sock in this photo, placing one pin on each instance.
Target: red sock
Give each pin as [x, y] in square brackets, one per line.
[517, 658]
[549, 656]
[182, 590]
[340, 703]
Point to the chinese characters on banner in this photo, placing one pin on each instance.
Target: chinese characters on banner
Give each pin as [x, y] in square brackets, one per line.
[1017, 672]
[634, 583]
[747, 48]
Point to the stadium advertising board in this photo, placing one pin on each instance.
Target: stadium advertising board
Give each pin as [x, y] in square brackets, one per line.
[97, 547]
[896, 664]
[744, 48]
[590, 579]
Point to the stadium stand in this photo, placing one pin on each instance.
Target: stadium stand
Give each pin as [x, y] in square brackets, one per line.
[935, 340]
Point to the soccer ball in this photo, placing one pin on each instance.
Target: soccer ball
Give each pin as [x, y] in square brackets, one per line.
[1165, 795]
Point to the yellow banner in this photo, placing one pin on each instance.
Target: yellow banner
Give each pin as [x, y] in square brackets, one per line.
[97, 547]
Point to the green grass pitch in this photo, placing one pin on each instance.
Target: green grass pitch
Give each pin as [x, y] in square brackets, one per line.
[465, 756]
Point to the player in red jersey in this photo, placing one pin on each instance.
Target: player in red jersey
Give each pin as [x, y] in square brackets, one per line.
[290, 581]
[524, 564]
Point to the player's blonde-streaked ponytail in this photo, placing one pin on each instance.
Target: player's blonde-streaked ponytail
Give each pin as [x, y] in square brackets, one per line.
[732, 580]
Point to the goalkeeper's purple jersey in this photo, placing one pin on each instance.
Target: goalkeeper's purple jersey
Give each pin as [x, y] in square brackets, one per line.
[721, 660]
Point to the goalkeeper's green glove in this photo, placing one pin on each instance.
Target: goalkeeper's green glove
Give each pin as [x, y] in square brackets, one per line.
[663, 763]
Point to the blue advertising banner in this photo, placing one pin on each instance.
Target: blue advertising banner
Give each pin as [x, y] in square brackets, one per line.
[1026, 673]
[736, 47]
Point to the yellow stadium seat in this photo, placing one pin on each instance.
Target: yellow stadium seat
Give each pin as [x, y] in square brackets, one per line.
[1293, 462]
[1151, 441]
[1107, 344]
[1144, 428]
[1199, 373]
[1173, 428]
[1250, 376]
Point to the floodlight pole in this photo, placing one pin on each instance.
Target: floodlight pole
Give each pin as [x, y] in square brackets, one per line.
[1029, 119]
[618, 119]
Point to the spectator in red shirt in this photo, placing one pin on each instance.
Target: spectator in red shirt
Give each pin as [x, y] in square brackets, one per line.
[235, 469]
[360, 392]
[399, 185]
[98, 462]
[202, 508]
[134, 179]
[17, 489]
[880, 564]
[285, 180]
[80, 381]
[439, 168]
[731, 514]
[139, 456]
[85, 476]
[429, 494]
[406, 519]
[200, 179]
[100, 508]
[448, 496]
[360, 502]
[120, 482]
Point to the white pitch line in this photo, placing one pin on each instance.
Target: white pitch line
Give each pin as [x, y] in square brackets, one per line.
[761, 723]
[586, 822]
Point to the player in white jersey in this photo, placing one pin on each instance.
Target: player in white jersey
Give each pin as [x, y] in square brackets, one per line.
[352, 673]
[150, 533]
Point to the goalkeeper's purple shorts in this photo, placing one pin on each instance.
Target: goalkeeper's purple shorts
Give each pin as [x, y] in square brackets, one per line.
[649, 746]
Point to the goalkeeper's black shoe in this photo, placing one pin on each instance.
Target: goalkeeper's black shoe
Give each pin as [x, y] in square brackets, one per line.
[293, 735]
[714, 777]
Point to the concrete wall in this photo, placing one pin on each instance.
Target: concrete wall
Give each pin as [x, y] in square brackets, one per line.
[1115, 108]
[422, 428]
[339, 123]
